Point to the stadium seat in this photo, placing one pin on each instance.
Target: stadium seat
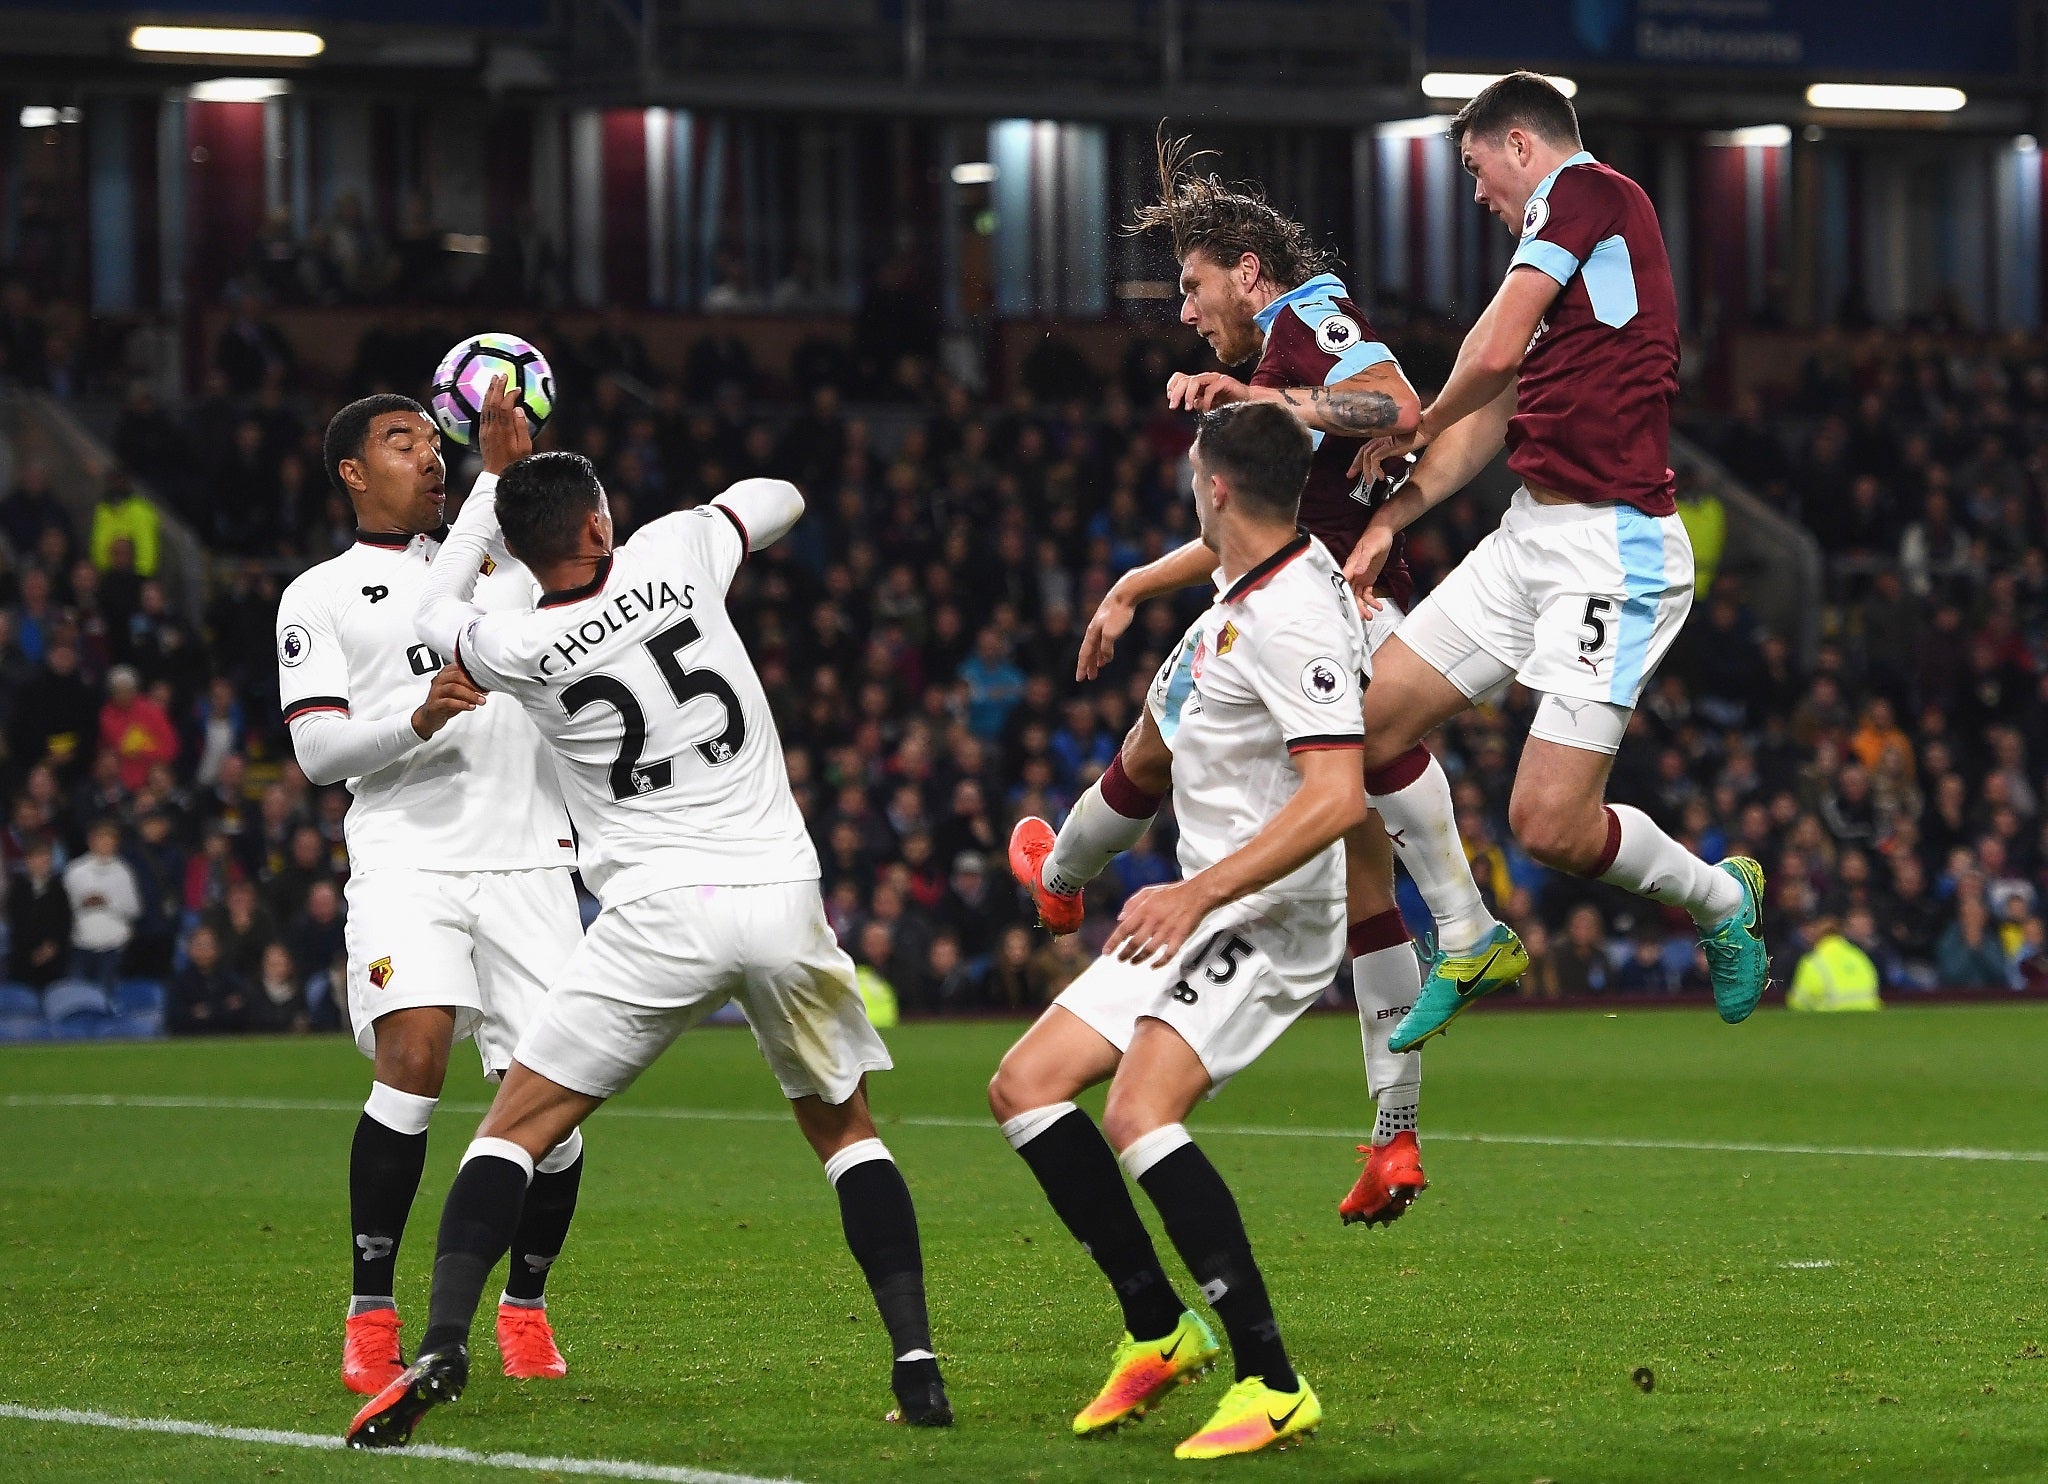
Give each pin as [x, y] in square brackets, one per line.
[19, 999]
[23, 1028]
[73, 997]
[134, 996]
[138, 1025]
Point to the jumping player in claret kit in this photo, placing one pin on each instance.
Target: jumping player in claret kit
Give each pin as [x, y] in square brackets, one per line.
[459, 899]
[1256, 287]
[1582, 589]
[1259, 703]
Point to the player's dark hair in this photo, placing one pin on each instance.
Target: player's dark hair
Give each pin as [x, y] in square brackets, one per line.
[350, 430]
[1224, 222]
[1524, 100]
[543, 501]
[1263, 450]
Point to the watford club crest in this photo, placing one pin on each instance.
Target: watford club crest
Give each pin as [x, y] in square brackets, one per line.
[380, 973]
[1225, 639]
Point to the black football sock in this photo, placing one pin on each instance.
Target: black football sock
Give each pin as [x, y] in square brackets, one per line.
[1202, 1220]
[384, 1164]
[476, 1227]
[1072, 1161]
[544, 1225]
[881, 1232]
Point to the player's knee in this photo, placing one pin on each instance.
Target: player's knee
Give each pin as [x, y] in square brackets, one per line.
[1128, 1116]
[1554, 834]
[414, 1064]
[1010, 1092]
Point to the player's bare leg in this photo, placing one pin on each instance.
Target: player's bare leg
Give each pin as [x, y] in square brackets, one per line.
[1472, 953]
[385, 1160]
[1164, 1345]
[1558, 814]
[1105, 821]
[1159, 1081]
[1385, 977]
[530, 1117]
[881, 1231]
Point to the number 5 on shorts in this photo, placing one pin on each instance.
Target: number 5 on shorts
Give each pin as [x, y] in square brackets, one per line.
[1595, 624]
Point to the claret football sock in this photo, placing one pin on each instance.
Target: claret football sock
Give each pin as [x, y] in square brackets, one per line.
[1641, 858]
[384, 1164]
[1202, 1219]
[476, 1227]
[1386, 977]
[1107, 820]
[881, 1231]
[1413, 797]
[544, 1222]
[1073, 1162]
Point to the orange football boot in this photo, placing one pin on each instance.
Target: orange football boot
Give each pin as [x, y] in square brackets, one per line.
[527, 1343]
[1030, 844]
[369, 1352]
[1389, 1183]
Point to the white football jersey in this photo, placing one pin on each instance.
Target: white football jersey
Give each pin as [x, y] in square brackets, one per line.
[669, 758]
[1276, 666]
[480, 794]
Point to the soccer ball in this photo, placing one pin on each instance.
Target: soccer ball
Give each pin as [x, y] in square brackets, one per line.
[465, 375]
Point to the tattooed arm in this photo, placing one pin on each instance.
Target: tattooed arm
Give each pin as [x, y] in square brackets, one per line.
[1376, 403]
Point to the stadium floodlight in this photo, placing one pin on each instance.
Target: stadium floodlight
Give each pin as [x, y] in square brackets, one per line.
[975, 172]
[1885, 97]
[1756, 136]
[1469, 84]
[38, 116]
[1430, 126]
[225, 41]
[239, 89]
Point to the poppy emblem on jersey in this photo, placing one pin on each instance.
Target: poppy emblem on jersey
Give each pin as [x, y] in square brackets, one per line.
[292, 645]
[1337, 334]
[1201, 659]
[380, 973]
[1225, 639]
[1535, 215]
[1321, 680]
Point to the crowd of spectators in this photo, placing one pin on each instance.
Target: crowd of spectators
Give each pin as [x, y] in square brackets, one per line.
[917, 635]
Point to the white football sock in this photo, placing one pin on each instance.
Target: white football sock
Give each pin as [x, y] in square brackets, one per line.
[1423, 824]
[1651, 864]
[1386, 977]
[1093, 835]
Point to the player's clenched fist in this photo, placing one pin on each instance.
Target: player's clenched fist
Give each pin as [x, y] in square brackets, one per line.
[1204, 392]
[503, 436]
[451, 694]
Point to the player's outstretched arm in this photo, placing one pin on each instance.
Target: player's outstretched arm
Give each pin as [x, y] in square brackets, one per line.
[1157, 922]
[1184, 566]
[1446, 466]
[1376, 403]
[445, 609]
[766, 509]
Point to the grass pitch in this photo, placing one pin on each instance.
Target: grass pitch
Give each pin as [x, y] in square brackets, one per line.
[1807, 1315]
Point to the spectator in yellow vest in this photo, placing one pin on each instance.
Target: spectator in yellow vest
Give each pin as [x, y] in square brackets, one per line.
[1835, 974]
[876, 992]
[1705, 520]
[123, 514]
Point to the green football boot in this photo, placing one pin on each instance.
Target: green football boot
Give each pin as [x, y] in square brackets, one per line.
[1736, 960]
[1454, 983]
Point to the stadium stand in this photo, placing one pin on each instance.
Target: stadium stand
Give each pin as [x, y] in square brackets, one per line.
[918, 631]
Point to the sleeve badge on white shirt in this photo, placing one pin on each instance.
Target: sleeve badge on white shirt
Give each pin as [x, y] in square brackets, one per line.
[293, 645]
[1322, 681]
[1535, 215]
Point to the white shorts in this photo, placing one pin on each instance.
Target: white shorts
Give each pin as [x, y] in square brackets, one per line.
[487, 943]
[1242, 979]
[650, 969]
[1575, 601]
[1380, 628]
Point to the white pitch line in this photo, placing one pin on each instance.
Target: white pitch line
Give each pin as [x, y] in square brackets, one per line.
[603, 1468]
[1235, 1130]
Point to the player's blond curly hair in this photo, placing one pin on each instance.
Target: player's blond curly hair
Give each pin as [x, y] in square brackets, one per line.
[1203, 214]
